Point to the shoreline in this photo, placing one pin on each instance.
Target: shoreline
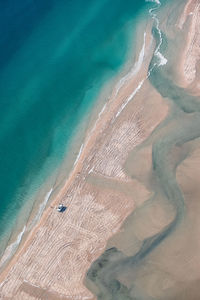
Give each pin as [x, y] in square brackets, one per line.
[147, 257]
[19, 238]
[77, 168]
[57, 180]
[89, 172]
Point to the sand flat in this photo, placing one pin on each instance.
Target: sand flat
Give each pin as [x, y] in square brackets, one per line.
[155, 254]
[57, 254]
[99, 197]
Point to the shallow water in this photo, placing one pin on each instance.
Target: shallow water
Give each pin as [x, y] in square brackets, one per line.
[55, 58]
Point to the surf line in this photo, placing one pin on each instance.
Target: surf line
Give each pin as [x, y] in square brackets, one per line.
[162, 59]
[12, 248]
[89, 134]
[79, 154]
[40, 210]
[99, 117]
[132, 73]
[135, 68]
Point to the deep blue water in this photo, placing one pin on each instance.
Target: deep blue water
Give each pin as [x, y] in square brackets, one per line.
[55, 56]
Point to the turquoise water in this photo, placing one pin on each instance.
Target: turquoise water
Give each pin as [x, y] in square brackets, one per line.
[55, 57]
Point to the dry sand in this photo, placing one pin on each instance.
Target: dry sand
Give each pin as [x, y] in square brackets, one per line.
[53, 261]
[155, 255]
[191, 54]
[99, 194]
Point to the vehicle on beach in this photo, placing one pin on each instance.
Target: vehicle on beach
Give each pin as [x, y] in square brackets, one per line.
[61, 208]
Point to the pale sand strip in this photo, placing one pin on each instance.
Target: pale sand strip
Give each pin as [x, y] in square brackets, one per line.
[191, 54]
[57, 254]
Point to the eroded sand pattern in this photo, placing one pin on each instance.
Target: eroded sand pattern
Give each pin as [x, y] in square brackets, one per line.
[139, 168]
[156, 255]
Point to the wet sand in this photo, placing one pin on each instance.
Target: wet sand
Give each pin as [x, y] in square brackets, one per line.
[155, 255]
[132, 164]
[61, 248]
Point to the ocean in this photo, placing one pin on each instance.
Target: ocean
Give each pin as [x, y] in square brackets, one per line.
[55, 58]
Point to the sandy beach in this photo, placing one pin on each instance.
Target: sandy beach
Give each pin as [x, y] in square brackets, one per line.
[93, 214]
[101, 193]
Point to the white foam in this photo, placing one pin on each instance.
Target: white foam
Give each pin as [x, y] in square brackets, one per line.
[99, 116]
[122, 81]
[11, 249]
[154, 1]
[95, 124]
[162, 59]
[41, 209]
[134, 70]
[79, 154]
[130, 97]
[104, 107]
[160, 56]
